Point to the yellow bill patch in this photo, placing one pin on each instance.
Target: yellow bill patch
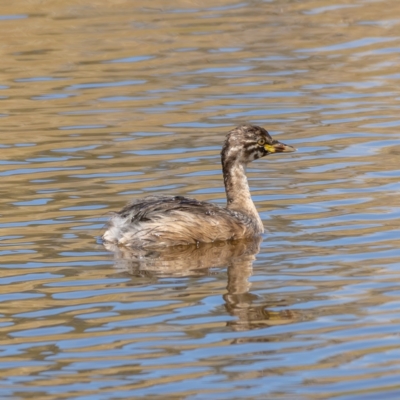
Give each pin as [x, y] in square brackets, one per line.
[269, 148]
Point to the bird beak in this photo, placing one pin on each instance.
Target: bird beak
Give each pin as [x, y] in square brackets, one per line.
[279, 147]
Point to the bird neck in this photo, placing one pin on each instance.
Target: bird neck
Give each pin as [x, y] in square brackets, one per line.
[238, 192]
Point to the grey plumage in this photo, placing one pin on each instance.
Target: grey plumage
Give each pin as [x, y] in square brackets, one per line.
[176, 220]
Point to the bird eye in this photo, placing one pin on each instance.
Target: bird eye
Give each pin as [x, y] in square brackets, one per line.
[261, 141]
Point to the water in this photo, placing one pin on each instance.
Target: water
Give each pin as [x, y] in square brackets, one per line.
[105, 102]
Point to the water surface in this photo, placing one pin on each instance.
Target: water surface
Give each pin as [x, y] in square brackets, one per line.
[102, 103]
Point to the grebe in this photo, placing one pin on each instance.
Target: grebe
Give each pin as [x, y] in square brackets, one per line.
[175, 220]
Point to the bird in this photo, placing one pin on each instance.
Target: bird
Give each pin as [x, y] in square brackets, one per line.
[161, 221]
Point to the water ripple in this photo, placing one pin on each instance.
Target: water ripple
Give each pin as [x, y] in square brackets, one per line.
[308, 313]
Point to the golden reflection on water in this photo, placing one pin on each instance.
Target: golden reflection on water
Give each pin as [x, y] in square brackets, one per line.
[105, 102]
[236, 256]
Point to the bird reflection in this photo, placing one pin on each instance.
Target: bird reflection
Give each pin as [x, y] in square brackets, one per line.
[249, 310]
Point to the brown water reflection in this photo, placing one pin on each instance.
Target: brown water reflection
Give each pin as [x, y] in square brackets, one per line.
[186, 260]
[237, 256]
